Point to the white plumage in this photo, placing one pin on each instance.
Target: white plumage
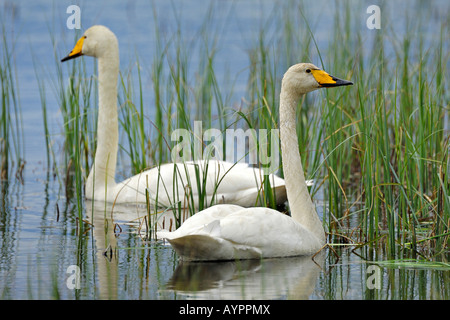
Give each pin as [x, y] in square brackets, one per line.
[228, 232]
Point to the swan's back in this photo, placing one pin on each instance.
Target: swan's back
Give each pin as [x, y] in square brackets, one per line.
[225, 232]
[213, 181]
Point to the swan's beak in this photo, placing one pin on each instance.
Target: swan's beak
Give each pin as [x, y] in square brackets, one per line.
[326, 80]
[76, 52]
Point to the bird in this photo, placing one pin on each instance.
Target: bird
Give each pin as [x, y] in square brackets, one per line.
[168, 184]
[231, 232]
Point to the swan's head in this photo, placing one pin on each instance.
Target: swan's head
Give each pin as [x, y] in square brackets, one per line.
[302, 78]
[96, 42]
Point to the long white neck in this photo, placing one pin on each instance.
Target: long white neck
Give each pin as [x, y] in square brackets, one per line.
[104, 167]
[300, 203]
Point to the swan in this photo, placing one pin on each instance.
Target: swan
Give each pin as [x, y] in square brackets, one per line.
[228, 232]
[239, 183]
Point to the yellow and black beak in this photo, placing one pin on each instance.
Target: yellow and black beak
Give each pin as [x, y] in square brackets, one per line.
[76, 52]
[326, 80]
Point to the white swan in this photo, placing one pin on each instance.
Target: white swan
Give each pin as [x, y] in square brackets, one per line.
[239, 183]
[227, 232]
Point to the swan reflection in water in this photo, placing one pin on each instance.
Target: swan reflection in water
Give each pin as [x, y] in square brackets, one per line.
[276, 278]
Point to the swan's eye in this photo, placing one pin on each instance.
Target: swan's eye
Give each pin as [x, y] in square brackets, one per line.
[308, 70]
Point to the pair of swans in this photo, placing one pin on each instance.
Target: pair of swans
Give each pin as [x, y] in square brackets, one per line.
[225, 182]
[223, 231]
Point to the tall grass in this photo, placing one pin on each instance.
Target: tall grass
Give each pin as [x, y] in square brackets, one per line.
[11, 128]
[380, 145]
[390, 132]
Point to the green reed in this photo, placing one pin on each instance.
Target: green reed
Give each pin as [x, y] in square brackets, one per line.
[133, 122]
[395, 114]
[11, 129]
[381, 145]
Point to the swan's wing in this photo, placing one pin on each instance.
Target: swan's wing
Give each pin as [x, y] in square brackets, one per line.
[200, 223]
[274, 233]
[207, 248]
[271, 231]
[221, 182]
[155, 185]
[244, 186]
[200, 237]
[238, 183]
[244, 233]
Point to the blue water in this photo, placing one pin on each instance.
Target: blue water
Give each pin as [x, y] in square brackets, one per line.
[38, 235]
